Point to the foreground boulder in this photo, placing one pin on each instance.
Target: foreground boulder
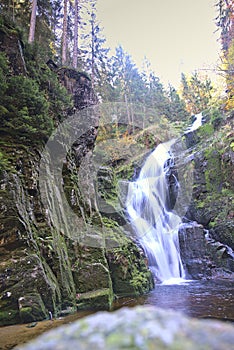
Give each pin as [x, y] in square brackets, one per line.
[143, 327]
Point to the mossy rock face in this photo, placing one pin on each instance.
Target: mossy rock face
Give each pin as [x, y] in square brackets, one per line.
[92, 276]
[100, 299]
[27, 282]
[213, 192]
[224, 231]
[9, 317]
[32, 308]
[10, 43]
[129, 272]
[212, 206]
[42, 266]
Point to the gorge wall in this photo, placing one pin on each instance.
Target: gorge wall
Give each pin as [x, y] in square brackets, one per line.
[44, 273]
[207, 237]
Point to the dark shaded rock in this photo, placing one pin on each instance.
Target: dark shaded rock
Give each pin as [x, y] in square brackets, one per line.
[31, 307]
[202, 256]
[193, 251]
[13, 47]
[144, 327]
[213, 185]
[224, 232]
[191, 138]
[79, 85]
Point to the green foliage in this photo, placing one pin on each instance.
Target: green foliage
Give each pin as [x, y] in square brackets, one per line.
[30, 105]
[4, 69]
[26, 108]
[3, 162]
[196, 91]
[205, 131]
[216, 117]
[177, 106]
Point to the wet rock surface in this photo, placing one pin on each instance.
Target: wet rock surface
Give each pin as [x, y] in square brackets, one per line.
[202, 256]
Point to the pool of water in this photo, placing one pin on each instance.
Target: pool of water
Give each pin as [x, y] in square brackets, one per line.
[201, 299]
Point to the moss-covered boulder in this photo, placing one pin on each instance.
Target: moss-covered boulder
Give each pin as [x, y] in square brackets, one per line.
[129, 272]
[31, 308]
[143, 327]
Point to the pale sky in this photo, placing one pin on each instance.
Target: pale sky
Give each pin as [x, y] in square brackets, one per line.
[175, 35]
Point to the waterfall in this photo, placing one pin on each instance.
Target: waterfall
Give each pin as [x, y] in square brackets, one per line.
[155, 225]
[198, 120]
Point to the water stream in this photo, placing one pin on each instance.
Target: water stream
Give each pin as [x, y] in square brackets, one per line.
[156, 226]
[211, 299]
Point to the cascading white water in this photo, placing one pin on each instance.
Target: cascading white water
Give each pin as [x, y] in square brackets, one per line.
[155, 225]
[197, 123]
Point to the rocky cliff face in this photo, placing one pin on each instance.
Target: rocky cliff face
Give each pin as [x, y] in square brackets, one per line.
[45, 272]
[207, 240]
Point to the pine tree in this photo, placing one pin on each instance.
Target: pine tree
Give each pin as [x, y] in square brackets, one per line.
[196, 91]
[225, 21]
[64, 34]
[32, 22]
[94, 52]
[177, 106]
[76, 24]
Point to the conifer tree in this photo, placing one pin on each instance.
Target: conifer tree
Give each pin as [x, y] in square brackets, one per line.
[196, 91]
[225, 21]
[76, 24]
[64, 34]
[32, 22]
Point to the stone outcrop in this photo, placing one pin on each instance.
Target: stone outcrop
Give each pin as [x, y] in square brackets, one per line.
[144, 327]
[207, 240]
[202, 256]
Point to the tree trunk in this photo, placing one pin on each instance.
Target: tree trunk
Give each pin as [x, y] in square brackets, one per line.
[32, 22]
[75, 48]
[93, 49]
[64, 36]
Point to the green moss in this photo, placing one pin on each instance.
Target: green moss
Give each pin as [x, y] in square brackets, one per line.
[140, 281]
[130, 275]
[213, 190]
[100, 299]
[9, 317]
[200, 204]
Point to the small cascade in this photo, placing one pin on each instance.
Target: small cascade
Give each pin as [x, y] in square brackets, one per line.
[155, 225]
[197, 123]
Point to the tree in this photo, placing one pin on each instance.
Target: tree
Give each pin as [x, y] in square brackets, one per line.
[64, 33]
[196, 91]
[75, 46]
[93, 51]
[225, 21]
[177, 106]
